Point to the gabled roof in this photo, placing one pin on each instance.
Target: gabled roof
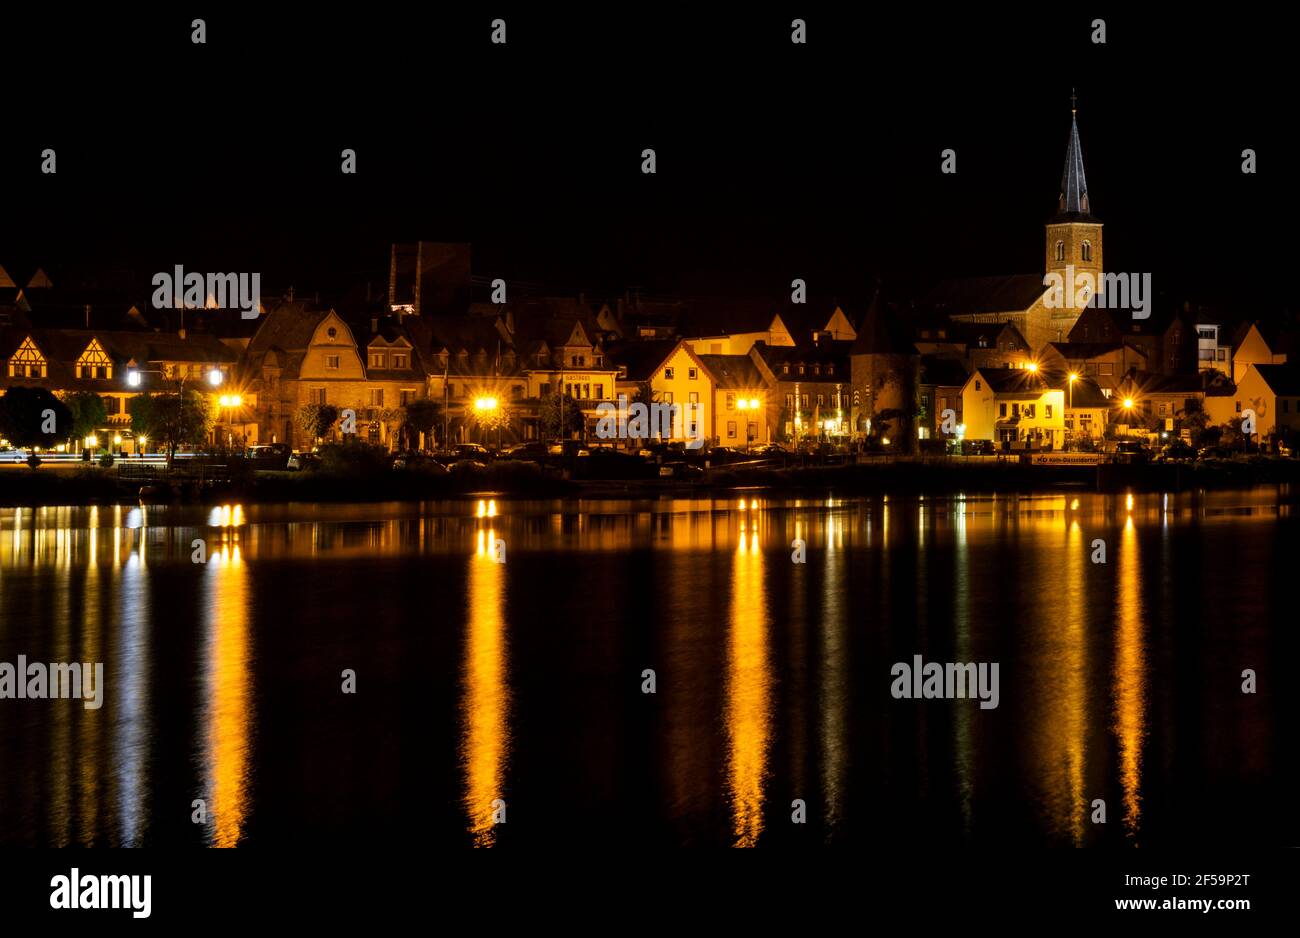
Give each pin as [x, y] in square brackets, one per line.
[1013, 382]
[1082, 351]
[1003, 294]
[942, 372]
[733, 371]
[1283, 380]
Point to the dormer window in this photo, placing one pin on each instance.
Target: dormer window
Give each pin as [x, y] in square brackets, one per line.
[27, 361]
[94, 362]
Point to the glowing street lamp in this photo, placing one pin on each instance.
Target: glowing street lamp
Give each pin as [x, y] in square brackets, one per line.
[215, 377]
[1032, 366]
[489, 405]
[133, 377]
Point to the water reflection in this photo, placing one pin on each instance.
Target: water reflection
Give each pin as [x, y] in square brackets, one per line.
[748, 687]
[485, 706]
[228, 692]
[1130, 680]
[770, 672]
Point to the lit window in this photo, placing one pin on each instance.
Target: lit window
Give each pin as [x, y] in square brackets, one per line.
[1087, 250]
[1060, 250]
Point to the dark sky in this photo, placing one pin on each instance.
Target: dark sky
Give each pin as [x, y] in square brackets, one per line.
[775, 161]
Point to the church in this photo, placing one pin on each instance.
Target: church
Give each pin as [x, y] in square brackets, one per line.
[1073, 244]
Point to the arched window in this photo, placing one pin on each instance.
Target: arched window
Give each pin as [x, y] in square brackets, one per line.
[1060, 250]
[1087, 250]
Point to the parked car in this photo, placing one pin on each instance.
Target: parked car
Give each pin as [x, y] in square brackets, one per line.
[466, 465]
[299, 461]
[1213, 452]
[680, 470]
[567, 448]
[533, 450]
[269, 456]
[471, 451]
[1177, 451]
[1131, 451]
[768, 449]
[422, 462]
[977, 447]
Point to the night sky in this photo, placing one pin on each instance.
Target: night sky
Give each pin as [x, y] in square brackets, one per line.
[775, 161]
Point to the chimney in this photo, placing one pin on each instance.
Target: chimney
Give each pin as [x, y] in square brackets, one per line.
[374, 325]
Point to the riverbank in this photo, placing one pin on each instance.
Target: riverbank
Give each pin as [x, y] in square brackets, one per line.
[21, 486]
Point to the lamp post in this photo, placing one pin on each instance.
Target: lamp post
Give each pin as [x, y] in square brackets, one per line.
[490, 405]
[135, 377]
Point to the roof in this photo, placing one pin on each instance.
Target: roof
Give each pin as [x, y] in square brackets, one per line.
[882, 333]
[1281, 379]
[1001, 294]
[1014, 382]
[641, 357]
[1073, 204]
[1146, 382]
[942, 372]
[733, 371]
[1081, 351]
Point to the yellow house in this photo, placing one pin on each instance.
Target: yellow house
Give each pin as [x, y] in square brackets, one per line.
[1270, 392]
[673, 375]
[1251, 348]
[1013, 405]
[739, 413]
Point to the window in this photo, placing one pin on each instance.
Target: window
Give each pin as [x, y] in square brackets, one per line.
[1002, 410]
[1221, 355]
[1060, 250]
[1047, 411]
[731, 429]
[731, 401]
[692, 373]
[1286, 406]
[785, 369]
[830, 369]
[789, 402]
[668, 374]
[693, 397]
[318, 395]
[804, 403]
[821, 400]
[376, 397]
[407, 395]
[94, 362]
[1029, 411]
[27, 361]
[377, 359]
[1105, 368]
[668, 397]
[1164, 408]
[600, 391]
[332, 332]
[112, 405]
[977, 385]
[332, 362]
[579, 361]
[1086, 250]
[1238, 406]
[401, 360]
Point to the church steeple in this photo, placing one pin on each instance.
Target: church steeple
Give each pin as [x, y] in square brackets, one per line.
[1073, 204]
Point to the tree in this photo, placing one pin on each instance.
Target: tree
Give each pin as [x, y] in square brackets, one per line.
[422, 416]
[550, 414]
[32, 417]
[174, 420]
[317, 419]
[88, 413]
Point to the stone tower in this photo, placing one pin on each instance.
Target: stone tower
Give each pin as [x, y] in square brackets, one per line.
[1073, 234]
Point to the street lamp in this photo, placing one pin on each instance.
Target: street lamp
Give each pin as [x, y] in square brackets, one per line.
[215, 377]
[490, 405]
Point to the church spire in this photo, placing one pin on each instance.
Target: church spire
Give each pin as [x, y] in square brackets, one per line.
[1074, 187]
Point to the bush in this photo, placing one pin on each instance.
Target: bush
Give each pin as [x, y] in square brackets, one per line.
[33, 461]
[353, 459]
[106, 461]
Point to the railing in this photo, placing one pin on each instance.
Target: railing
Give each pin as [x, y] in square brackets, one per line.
[190, 470]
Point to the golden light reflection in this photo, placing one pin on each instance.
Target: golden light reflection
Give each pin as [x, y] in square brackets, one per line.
[228, 699]
[485, 706]
[1130, 681]
[748, 691]
[1063, 730]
